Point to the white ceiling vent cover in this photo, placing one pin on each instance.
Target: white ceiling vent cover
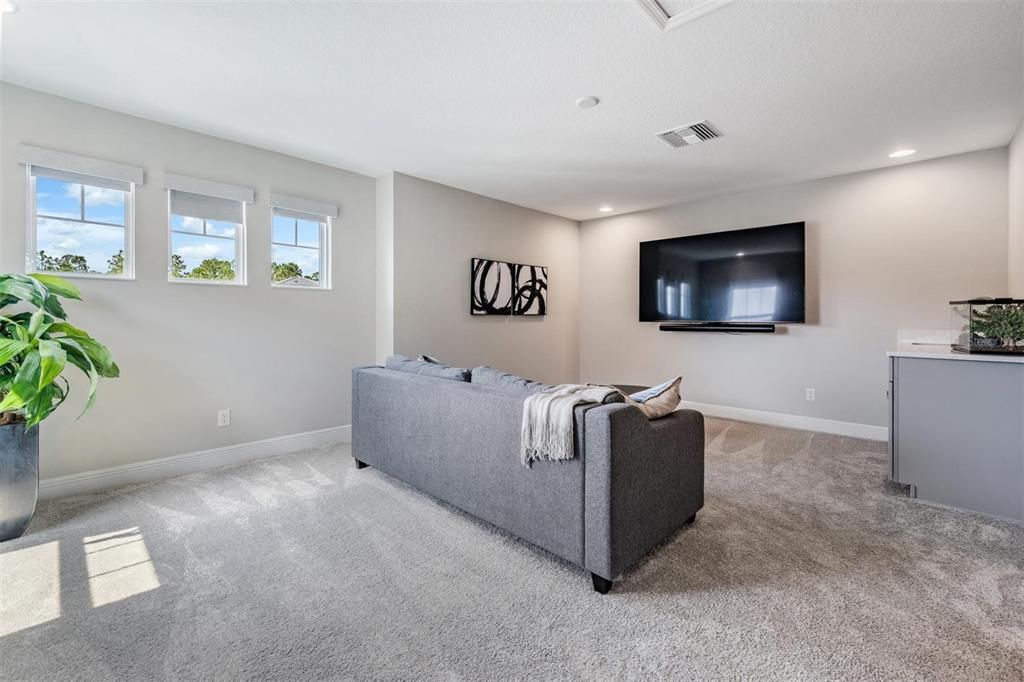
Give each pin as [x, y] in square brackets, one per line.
[684, 136]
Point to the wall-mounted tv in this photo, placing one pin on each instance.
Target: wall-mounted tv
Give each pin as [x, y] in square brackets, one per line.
[753, 275]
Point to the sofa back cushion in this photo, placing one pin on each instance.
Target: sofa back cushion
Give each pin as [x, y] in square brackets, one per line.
[488, 376]
[402, 363]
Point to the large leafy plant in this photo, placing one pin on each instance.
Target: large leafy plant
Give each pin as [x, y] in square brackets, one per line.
[37, 344]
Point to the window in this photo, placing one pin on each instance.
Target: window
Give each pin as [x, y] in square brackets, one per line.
[207, 231]
[80, 214]
[79, 224]
[300, 243]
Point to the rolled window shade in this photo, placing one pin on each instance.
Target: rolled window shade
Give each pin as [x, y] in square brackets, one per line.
[73, 163]
[301, 215]
[303, 209]
[80, 178]
[204, 207]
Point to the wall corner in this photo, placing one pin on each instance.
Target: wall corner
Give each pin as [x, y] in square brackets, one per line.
[384, 290]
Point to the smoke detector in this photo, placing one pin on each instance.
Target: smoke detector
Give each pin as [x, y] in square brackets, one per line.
[694, 133]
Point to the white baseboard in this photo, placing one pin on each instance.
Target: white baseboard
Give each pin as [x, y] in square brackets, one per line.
[792, 421]
[177, 465]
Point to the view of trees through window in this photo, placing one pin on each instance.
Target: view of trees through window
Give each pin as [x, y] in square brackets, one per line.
[295, 251]
[203, 249]
[79, 227]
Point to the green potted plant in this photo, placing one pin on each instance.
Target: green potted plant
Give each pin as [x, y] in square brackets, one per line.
[36, 345]
[1002, 324]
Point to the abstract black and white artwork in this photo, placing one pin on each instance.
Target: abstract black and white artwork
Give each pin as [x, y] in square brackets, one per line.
[499, 288]
[531, 290]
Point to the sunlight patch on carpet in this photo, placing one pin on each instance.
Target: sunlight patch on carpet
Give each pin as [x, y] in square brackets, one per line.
[29, 587]
[119, 566]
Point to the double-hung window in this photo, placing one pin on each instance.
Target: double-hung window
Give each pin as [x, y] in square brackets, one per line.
[80, 215]
[206, 230]
[300, 239]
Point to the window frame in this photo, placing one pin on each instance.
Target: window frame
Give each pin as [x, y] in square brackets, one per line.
[324, 249]
[239, 239]
[32, 228]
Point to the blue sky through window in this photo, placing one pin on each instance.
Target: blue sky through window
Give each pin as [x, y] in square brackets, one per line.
[61, 231]
[195, 248]
[296, 241]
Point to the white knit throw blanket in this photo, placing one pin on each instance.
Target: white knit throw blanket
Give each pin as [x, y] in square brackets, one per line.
[547, 432]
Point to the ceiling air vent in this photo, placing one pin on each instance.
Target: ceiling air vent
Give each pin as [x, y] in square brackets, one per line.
[690, 134]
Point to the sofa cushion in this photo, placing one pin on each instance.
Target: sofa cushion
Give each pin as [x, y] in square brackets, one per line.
[402, 363]
[488, 376]
[658, 401]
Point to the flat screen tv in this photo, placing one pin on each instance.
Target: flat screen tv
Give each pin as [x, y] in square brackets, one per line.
[753, 275]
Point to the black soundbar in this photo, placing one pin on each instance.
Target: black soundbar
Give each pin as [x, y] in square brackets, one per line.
[741, 327]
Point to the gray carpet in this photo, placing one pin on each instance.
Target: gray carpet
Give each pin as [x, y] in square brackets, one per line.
[805, 564]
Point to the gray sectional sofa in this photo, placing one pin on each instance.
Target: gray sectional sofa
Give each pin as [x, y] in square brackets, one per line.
[632, 484]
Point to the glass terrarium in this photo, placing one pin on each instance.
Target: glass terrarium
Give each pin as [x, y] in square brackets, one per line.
[988, 325]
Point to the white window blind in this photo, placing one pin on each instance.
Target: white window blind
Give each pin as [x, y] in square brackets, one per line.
[205, 207]
[81, 179]
[94, 169]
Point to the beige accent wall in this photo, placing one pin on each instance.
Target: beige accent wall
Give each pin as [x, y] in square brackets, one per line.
[887, 249]
[279, 359]
[437, 230]
[1016, 201]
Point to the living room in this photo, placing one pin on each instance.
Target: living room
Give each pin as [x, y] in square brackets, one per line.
[328, 268]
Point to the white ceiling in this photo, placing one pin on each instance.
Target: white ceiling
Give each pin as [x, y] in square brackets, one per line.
[480, 95]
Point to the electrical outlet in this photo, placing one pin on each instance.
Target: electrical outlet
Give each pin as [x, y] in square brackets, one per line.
[223, 417]
[810, 395]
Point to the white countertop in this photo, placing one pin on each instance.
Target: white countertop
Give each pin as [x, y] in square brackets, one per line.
[932, 351]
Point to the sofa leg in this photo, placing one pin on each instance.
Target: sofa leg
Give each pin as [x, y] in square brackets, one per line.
[360, 465]
[691, 519]
[601, 585]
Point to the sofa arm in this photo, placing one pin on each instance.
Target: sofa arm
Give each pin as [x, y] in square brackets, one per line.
[644, 480]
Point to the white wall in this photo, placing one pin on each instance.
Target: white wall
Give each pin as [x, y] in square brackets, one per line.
[1016, 202]
[887, 249]
[385, 301]
[436, 231]
[280, 359]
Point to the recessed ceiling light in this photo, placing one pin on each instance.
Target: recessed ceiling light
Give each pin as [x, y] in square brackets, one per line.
[8, 6]
[741, 254]
[606, 209]
[900, 153]
[588, 102]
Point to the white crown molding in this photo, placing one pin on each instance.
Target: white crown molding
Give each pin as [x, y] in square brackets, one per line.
[791, 421]
[179, 465]
[667, 23]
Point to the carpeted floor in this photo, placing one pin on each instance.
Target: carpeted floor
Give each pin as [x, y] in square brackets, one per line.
[804, 564]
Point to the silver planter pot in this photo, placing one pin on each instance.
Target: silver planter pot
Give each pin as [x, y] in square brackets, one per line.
[19, 478]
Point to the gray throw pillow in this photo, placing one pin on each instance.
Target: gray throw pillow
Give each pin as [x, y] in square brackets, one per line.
[402, 363]
[488, 376]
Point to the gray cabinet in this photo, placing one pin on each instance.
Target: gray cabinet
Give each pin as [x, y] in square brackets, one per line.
[956, 431]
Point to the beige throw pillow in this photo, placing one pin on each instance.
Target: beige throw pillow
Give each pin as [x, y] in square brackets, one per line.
[659, 401]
